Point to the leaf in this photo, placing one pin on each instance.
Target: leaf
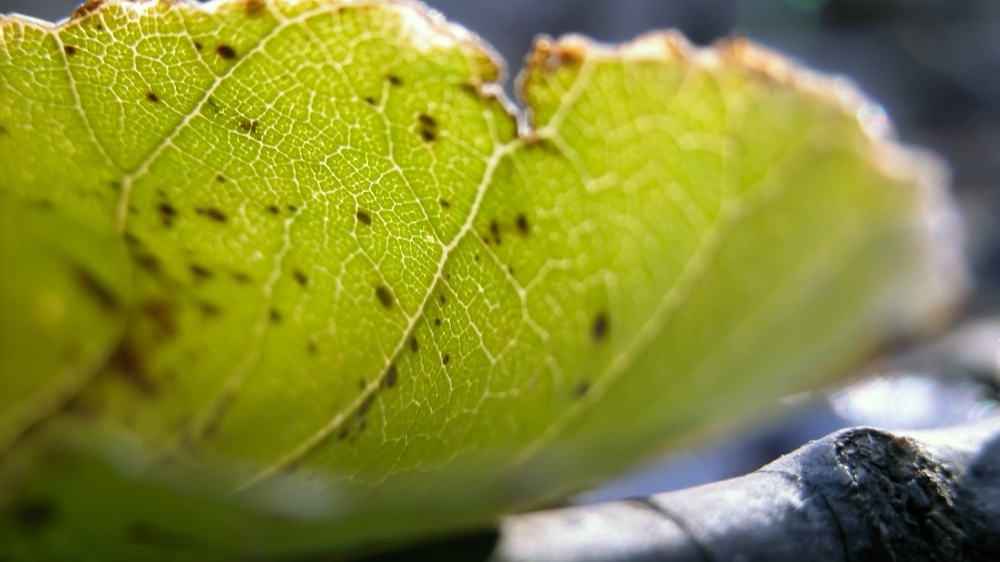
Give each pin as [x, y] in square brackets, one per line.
[369, 300]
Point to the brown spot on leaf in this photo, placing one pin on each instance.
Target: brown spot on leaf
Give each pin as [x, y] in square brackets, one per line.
[208, 309]
[414, 344]
[522, 224]
[151, 96]
[390, 377]
[70, 50]
[273, 209]
[370, 100]
[128, 363]
[363, 217]
[445, 358]
[161, 314]
[366, 405]
[33, 516]
[226, 52]
[311, 346]
[394, 80]
[384, 296]
[362, 383]
[428, 127]
[254, 7]
[599, 330]
[88, 8]
[248, 125]
[581, 389]
[148, 262]
[437, 322]
[167, 213]
[495, 231]
[95, 288]
[240, 277]
[212, 213]
[442, 299]
[292, 208]
[300, 277]
[197, 46]
[220, 178]
[275, 316]
[200, 271]
[444, 204]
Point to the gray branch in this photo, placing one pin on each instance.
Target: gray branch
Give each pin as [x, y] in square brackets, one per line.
[857, 495]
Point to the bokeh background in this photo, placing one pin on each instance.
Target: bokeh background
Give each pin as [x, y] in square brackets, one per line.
[935, 66]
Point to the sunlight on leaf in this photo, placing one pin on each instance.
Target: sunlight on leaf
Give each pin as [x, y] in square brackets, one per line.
[368, 299]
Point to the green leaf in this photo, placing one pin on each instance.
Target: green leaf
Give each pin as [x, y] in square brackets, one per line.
[368, 300]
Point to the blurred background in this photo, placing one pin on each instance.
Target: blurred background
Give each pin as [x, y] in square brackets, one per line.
[935, 66]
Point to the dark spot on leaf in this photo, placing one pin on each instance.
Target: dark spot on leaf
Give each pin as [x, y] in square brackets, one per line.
[343, 434]
[510, 269]
[292, 208]
[275, 316]
[115, 185]
[600, 328]
[366, 405]
[362, 425]
[363, 217]
[167, 213]
[311, 346]
[148, 262]
[213, 105]
[414, 344]
[87, 9]
[208, 309]
[495, 231]
[241, 277]
[35, 515]
[212, 213]
[254, 7]
[384, 296]
[128, 362]
[362, 383]
[445, 358]
[200, 271]
[4, 132]
[437, 322]
[220, 178]
[428, 127]
[95, 288]
[249, 126]
[445, 204]
[370, 100]
[161, 314]
[197, 46]
[442, 299]
[394, 80]
[99, 27]
[522, 224]
[300, 277]
[70, 50]
[390, 377]
[226, 52]
[152, 97]
[581, 389]
[273, 209]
